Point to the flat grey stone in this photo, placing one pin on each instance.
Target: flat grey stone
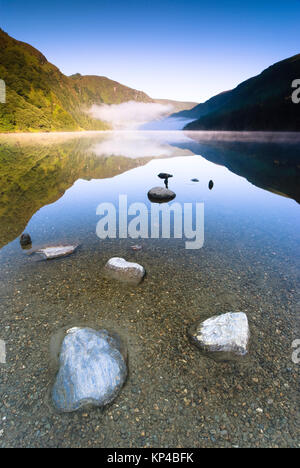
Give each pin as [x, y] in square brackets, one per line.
[121, 270]
[223, 337]
[92, 370]
[136, 247]
[2, 352]
[160, 195]
[57, 251]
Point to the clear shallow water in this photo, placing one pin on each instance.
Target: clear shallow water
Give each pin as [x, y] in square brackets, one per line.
[51, 187]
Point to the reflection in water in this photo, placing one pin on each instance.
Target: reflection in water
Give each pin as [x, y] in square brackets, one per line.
[269, 161]
[36, 170]
[140, 144]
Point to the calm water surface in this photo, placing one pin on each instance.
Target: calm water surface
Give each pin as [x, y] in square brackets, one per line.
[51, 186]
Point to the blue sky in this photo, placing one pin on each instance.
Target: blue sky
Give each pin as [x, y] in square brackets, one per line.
[185, 50]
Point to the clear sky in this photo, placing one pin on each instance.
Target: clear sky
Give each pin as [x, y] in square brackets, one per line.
[186, 50]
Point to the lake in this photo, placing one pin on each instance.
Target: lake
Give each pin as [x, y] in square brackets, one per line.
[51, 188]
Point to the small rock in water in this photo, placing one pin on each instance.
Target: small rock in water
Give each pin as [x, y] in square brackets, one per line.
[25, 241]
[57, 251]
[195, 180]
[92, 370]
[136, 248]
[121, 270]
[224, 337]
[160, 195]
[210, 184]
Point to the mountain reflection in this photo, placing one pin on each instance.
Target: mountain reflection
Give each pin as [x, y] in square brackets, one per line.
[268, 160]
[36, 170]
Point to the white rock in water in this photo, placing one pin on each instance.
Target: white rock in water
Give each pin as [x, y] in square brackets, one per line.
[92, 370]
[227, 335]
[129, 272]
[57, 251]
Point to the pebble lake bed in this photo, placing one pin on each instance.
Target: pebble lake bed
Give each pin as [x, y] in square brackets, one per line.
[174, 395]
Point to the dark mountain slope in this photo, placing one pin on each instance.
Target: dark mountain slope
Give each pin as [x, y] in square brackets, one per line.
[260, 103]
[205, 108]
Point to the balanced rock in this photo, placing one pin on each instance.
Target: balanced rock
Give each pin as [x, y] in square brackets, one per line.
[92, 370]
[57, 251]
[160, 195]
[224, 337]
[164, 175]
[121, 270]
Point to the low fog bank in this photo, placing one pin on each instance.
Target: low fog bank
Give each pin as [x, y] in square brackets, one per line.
[130, 115]
[243, 136]
[169, 123]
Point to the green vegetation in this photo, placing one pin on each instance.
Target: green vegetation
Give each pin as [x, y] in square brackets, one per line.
[41, 99]
[37, 170]
[260, 103]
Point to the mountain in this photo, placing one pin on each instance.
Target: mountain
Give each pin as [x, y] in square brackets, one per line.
[41, 98]
[177, 105]
[260, 103]
[202, 109]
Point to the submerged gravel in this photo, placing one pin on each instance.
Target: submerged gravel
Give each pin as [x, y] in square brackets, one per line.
[174, 397]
